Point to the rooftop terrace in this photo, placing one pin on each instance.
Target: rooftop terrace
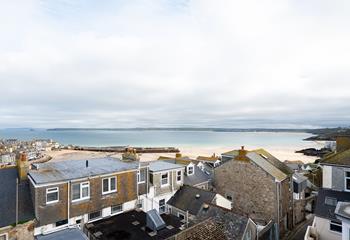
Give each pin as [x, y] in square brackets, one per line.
[131, 226]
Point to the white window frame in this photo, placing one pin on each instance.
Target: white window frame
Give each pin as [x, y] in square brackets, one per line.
[188, 170]
[335, 224]
[115, 213]
[177, 176]
[138, 177]
[161, 211]
[5, 234]
[52, 190]
[181, 214]
[95, 219]
[346, 178]
[109, 185]
[161, 179]
[82, 185]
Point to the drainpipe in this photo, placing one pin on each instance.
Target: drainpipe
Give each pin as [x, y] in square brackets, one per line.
[68, 202]
[278, 189]
[16, 201]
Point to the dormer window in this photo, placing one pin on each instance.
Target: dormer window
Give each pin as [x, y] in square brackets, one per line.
[190, 170]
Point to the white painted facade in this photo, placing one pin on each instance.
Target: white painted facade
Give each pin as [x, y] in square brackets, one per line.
[327, 176]
[151, 202]
[74, 221]
[323, 229]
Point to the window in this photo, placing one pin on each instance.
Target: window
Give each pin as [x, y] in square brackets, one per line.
[162, 206]
[178, 176]
[139, 203]
[141, 176]
[330, 201]
[61, 223]
[109, 185]
[51, 195]
[347, 181]
[181, 216]
[164, 179]
[81, 191]
[3, 236]
[95, 215]
[336, 227]
[117, 208]
[190, 170]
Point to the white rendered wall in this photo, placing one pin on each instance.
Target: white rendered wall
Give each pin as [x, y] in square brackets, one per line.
[327, 176]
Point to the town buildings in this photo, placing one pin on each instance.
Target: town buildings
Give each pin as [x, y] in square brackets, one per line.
[331, 216]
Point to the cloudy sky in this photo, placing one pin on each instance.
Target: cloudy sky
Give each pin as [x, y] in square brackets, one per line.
[167, 63]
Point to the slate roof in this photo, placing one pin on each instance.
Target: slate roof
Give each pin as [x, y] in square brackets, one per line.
[274, 161]
[185, 199]
[343, 210]
[67, 170]
[266, 161]
[327, 201]
[218, 223]
[338, 159]
[197, 177]
[66, 234]
[8, 178]
[158, 166]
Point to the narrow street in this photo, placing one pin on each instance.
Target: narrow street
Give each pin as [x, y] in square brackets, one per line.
[299, 232]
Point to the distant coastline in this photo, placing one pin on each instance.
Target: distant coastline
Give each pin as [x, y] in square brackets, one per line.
[188, 129]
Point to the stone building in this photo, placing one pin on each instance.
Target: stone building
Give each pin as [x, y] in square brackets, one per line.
[258, 184]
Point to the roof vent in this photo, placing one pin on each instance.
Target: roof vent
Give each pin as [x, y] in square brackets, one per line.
[205, 206]
[198, 196]
[87, 163]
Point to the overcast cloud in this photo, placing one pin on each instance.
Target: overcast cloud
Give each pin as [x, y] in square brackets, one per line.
[222, 63]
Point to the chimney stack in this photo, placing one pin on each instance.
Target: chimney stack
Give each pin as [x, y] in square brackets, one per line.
[178, 155]
[242, 155]
[343, 143]
[22, 166]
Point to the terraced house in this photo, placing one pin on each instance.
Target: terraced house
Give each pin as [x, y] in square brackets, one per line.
[71, 193]
[259, 186]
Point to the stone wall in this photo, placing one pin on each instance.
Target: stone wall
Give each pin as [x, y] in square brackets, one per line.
[23, 231]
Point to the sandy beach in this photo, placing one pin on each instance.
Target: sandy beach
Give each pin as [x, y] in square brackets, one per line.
[281, 153]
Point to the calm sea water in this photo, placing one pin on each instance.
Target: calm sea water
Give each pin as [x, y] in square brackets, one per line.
[163, 138]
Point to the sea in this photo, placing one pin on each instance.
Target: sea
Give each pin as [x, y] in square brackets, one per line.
[161, 138]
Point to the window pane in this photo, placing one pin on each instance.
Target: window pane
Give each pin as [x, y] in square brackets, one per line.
[117, 208]
[113, 182]
[142, 176]
[76, 191]
[348, 184]
[52, 197]
[85, 192]
[94, 215]
[335, 227]
[348, 174]
[105, 185]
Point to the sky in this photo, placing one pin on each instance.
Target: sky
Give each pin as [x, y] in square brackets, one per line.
[175, 63]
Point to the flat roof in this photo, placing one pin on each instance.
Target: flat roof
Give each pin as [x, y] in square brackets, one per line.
[71, 234]
[132, 226]
[75, 169]
[157, 166]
